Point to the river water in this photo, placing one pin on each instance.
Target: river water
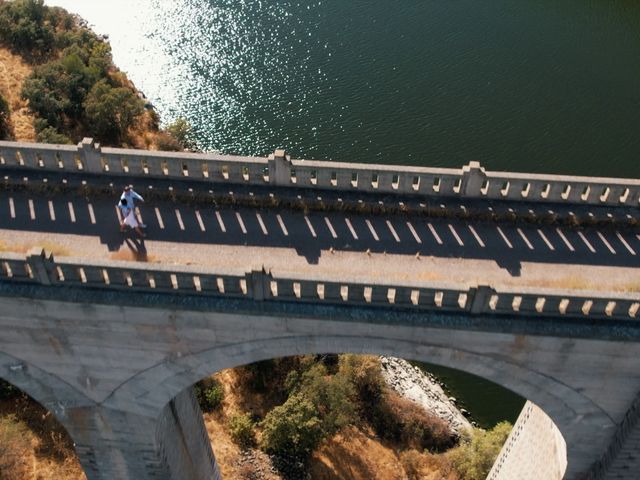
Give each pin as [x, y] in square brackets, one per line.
[525, 85]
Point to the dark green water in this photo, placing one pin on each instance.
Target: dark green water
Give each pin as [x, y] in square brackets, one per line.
[488, 402]
[527, 85]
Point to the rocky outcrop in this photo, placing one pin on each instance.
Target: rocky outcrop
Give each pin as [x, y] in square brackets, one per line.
[422, 388]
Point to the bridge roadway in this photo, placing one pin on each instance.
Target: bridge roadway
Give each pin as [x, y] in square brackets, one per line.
[116, 367]
[379, 246]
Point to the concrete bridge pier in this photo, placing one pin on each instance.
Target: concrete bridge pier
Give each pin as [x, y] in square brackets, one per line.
[128, 446]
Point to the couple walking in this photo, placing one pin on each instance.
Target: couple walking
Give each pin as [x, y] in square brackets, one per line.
[128, 209]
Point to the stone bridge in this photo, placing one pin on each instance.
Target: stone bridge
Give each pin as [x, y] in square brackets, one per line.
[530, 281]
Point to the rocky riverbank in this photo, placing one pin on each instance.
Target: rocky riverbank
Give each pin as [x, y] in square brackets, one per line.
[423, 389]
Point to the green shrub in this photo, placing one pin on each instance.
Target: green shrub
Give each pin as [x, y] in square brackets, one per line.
[51, 135]
[210, 394]
[292, 430]
[241, 429]
[476, 454]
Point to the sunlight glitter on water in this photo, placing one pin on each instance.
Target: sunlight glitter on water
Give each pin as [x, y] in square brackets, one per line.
[524, 86]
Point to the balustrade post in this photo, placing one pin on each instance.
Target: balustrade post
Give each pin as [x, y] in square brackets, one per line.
[37, 260]
[279, 168]
[480, 296]
[258, 283]
[89, 152]
[473, 176]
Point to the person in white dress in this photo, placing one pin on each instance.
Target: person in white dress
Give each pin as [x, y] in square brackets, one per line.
[130, 195]
[129, 217]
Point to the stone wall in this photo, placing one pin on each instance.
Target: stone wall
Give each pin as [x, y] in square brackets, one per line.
[534, 450]
[470, 181]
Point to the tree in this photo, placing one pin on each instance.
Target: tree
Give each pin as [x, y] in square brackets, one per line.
[41, 91]
[292, 430]
[332, 396]
[110, 111]
[5, 124]
[475, 456]
[182, 131]
[26, 28]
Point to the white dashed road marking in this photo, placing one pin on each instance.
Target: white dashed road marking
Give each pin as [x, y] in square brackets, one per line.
[351, 229]
[311, 229]
[604, 240]
[624, 242]
[262, 226]
[455, 234]
[52, 212]
[72, 213]
[12, 208]
[333, 232]
[393, 231]
[414, 233]
[32, 212]
[200, 222]
[159, 217]
[92, 215]
[220, 222]
[372, 230]
[565, 240]
[241, 223]
[546, 240]
[587, 242]
[524, 237]
[504, 237]
[282, 225]
[435, 234]
[475, 234]
[179, 217]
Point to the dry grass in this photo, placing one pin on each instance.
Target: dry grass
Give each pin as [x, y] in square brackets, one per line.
[356, 455]
[34, 444]
[13, 71]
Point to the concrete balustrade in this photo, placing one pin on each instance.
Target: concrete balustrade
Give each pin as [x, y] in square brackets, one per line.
[259, 285]
[470, 181]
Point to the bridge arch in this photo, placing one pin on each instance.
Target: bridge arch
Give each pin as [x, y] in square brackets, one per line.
[46, 393]
[48, 390]
[575, 415]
